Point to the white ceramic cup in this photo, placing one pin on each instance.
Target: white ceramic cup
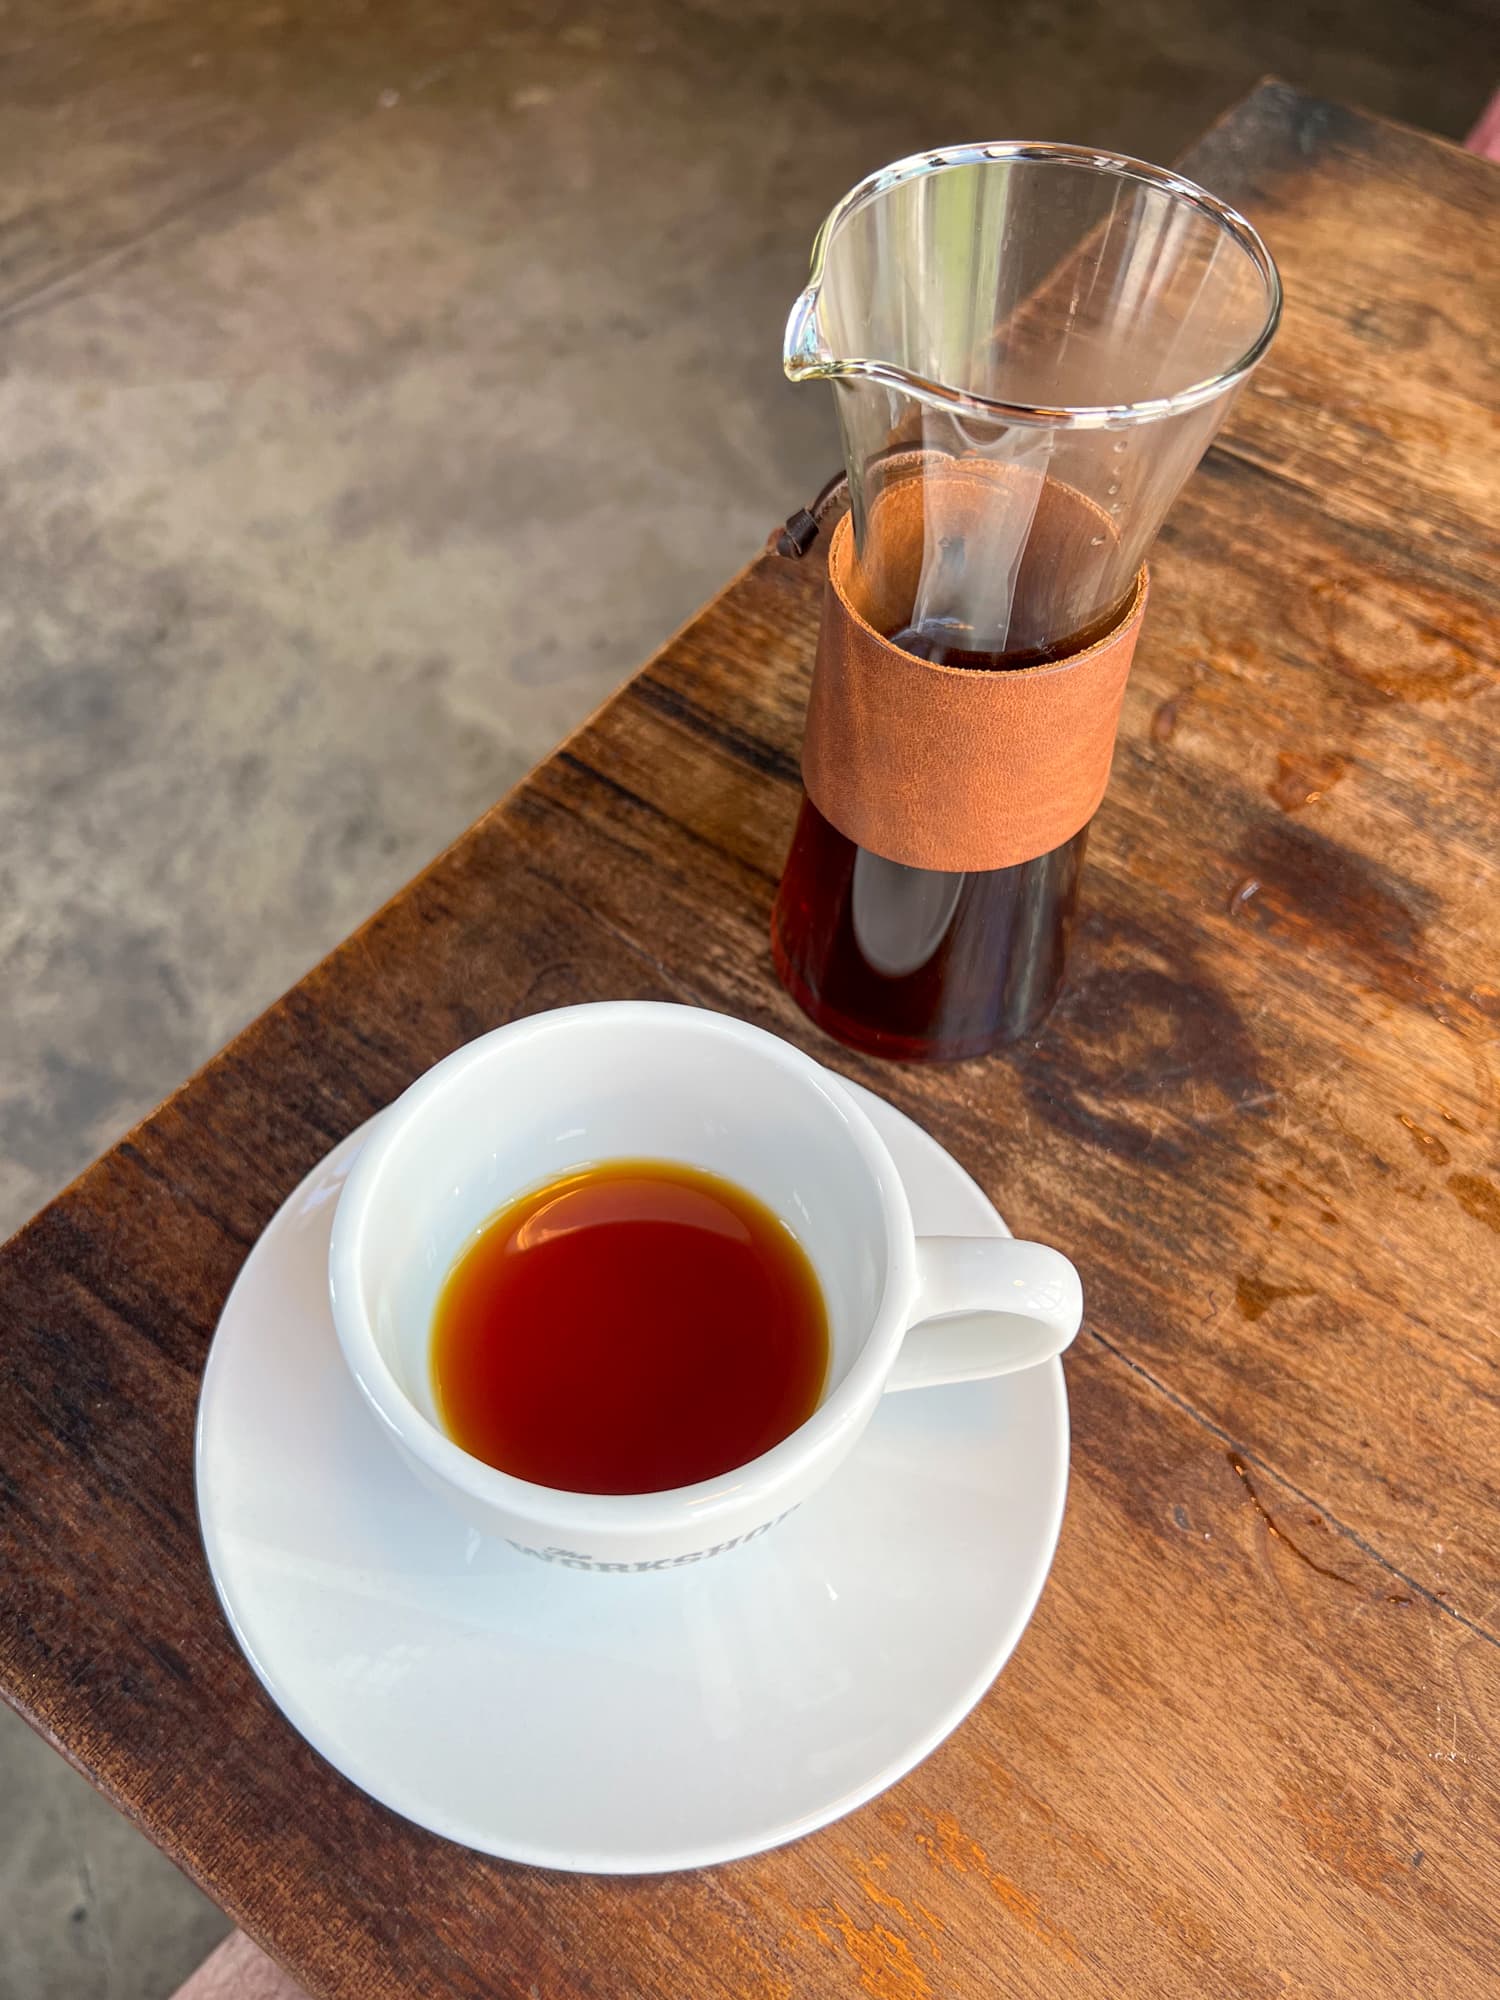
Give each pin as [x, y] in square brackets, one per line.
[632, 1079]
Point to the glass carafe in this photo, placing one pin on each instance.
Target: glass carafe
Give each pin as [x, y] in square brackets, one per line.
[1072, 325]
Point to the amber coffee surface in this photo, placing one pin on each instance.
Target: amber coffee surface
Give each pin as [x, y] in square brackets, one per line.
[634, 1327]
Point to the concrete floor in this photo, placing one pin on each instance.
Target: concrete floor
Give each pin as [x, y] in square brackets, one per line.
[381, 383]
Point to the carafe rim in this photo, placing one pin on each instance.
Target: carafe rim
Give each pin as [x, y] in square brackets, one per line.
[807, 356]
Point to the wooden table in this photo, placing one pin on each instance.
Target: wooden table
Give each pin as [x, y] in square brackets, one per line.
[1249, 1744]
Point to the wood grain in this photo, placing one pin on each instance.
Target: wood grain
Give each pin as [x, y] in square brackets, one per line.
[1249, 1744]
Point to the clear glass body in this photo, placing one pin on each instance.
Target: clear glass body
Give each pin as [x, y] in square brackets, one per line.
[1075, 319]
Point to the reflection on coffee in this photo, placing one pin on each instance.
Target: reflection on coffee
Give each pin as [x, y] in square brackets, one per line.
[632, 1327]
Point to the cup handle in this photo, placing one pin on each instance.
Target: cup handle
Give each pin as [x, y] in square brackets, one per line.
[985, 1305]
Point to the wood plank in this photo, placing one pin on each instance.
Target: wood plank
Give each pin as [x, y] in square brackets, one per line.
[1294, 1795]
[1351, 662]
[1247, 1745]
[1263, 1117]
[1379, 397]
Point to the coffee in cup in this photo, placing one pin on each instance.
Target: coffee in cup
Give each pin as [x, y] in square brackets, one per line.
[632, 1327]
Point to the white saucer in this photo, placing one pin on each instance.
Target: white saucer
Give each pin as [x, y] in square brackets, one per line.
[616, 1723]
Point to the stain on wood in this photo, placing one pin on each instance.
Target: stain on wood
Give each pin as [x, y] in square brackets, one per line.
[1249, 1743]
[1274, 1527]
[1428, 1144]
[1478, 1197]
[1166, 718]
[1302, 780]
[1255, 1297]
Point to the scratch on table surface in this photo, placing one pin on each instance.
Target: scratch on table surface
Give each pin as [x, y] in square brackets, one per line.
[949, 1846]
[916, 1917]
[887, 1970]
[1255, 1100]
[1438, 1600]
[1345, 1833]
[1278, 1533]
[1338, 1152]
[1285, 1096]
[1449, 1753]
[1159, 1119]
[1216, 1948]
[743, 1969]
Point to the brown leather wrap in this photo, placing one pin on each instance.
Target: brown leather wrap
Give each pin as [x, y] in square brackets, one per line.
[947, 767]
